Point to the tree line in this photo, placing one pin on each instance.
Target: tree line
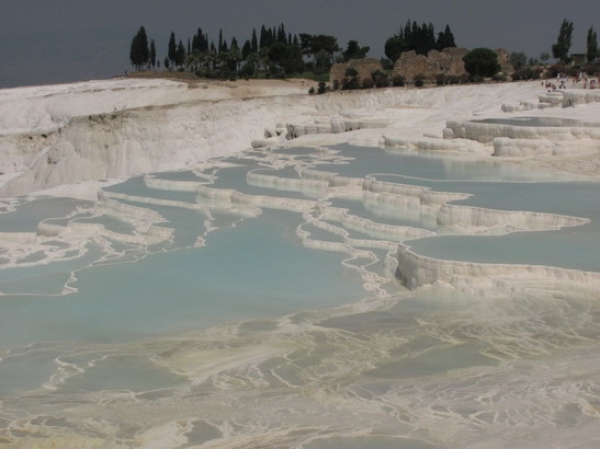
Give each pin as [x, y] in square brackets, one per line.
[561, 49]
[274, 53]
[420, 38]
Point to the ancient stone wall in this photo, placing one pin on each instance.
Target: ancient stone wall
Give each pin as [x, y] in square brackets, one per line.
[504, 60]
[448, 62]
[364, 67]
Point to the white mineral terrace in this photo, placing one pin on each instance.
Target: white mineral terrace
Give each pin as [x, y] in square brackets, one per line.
[76, 139]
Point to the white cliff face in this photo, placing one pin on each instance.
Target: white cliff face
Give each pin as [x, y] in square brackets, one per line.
[136, 141]
[487, 280]
[58, 135]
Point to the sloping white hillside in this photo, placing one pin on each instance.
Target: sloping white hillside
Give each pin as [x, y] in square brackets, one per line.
[58, 135]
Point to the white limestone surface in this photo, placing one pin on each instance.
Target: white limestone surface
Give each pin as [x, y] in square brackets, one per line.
[71, 139]
[58, 135]
[516, 360]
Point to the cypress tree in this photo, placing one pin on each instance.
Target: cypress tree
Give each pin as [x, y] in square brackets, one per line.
[153, 53]
[254, 42]
[445, 39]
[195, 42]
[139, 54]
[172, 52]
[263, 42]
[180, 54]
[200, 41]
[592, 45]
[246, 50]
[281, 34]
[560, 50]
[220, 47]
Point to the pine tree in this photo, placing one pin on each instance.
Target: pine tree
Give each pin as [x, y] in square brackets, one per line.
[394, 47]
[354, 51]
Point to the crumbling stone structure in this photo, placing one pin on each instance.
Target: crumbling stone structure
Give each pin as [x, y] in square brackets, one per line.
[447, 62]
[364, 68]
[504, 60]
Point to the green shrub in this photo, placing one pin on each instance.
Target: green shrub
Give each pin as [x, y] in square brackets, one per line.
[380, 79]
[481, 62]
[398, 81]
[351, 72]
[248, 70]
[350, 83]
[368, 83]
[419, 80]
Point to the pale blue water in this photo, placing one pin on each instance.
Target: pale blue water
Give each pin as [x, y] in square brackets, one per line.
[30, 213]
[536, 122]
[217, 321]
[242, 273]
[420, 166]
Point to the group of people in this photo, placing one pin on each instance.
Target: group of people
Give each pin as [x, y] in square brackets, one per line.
[561, 82]
[582, 76]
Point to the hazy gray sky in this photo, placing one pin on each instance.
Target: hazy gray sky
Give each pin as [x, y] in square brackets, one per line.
[52, 41]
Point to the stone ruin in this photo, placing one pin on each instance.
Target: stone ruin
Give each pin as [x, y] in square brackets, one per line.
[504, 60]
[364, 68]
[447, 62]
